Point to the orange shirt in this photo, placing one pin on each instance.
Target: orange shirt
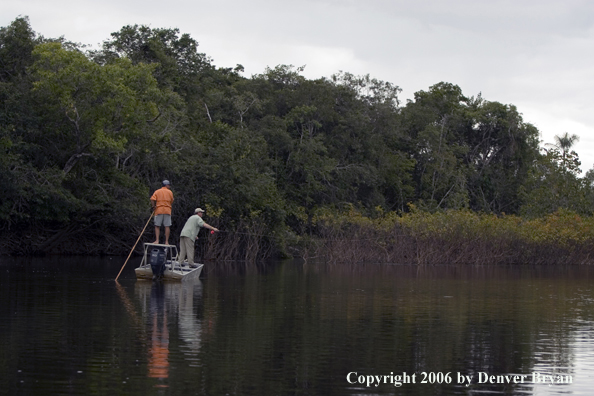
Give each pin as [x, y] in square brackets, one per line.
[164, 198]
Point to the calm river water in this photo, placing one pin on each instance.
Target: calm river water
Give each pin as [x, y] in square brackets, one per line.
[67, 328]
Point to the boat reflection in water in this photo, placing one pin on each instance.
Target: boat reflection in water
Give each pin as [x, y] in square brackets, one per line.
[161, 305]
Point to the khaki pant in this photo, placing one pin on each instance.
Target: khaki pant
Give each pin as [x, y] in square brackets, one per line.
[186, 248]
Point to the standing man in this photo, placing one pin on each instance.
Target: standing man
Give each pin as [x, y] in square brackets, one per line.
[189, 235]
[161, 202]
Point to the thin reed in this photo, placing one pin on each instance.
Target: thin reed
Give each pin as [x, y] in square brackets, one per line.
[247, 242]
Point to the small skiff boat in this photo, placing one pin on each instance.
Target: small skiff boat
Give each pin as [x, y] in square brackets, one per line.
[159, 262]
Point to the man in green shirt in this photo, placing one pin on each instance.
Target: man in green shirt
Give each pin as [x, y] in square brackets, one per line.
[189, 234]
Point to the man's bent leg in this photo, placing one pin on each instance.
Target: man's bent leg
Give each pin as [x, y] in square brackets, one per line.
[182, 250]
[190, 249]
[187, 247]
[166, 235]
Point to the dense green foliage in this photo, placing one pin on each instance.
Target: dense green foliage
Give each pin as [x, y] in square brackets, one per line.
[87, 136]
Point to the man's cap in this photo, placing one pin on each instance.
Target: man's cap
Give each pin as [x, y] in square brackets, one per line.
[166, 182]
[198, 210]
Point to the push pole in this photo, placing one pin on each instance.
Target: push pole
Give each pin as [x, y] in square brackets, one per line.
[139, 236]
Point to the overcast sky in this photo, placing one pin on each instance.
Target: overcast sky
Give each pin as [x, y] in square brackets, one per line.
[537, 55]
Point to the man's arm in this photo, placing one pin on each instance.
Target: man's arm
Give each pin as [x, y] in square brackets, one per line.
[210, 227]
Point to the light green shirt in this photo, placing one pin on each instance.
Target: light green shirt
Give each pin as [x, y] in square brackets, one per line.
[192, 227]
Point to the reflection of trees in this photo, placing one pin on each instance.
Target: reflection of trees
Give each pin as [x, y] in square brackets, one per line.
[290, 329]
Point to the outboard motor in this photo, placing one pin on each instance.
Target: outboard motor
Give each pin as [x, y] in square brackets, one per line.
[157, 261]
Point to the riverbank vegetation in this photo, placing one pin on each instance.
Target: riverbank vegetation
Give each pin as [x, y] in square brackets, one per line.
[281, 162]
[455, 237]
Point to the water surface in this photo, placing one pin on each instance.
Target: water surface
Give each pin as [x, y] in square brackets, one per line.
[66, 327]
